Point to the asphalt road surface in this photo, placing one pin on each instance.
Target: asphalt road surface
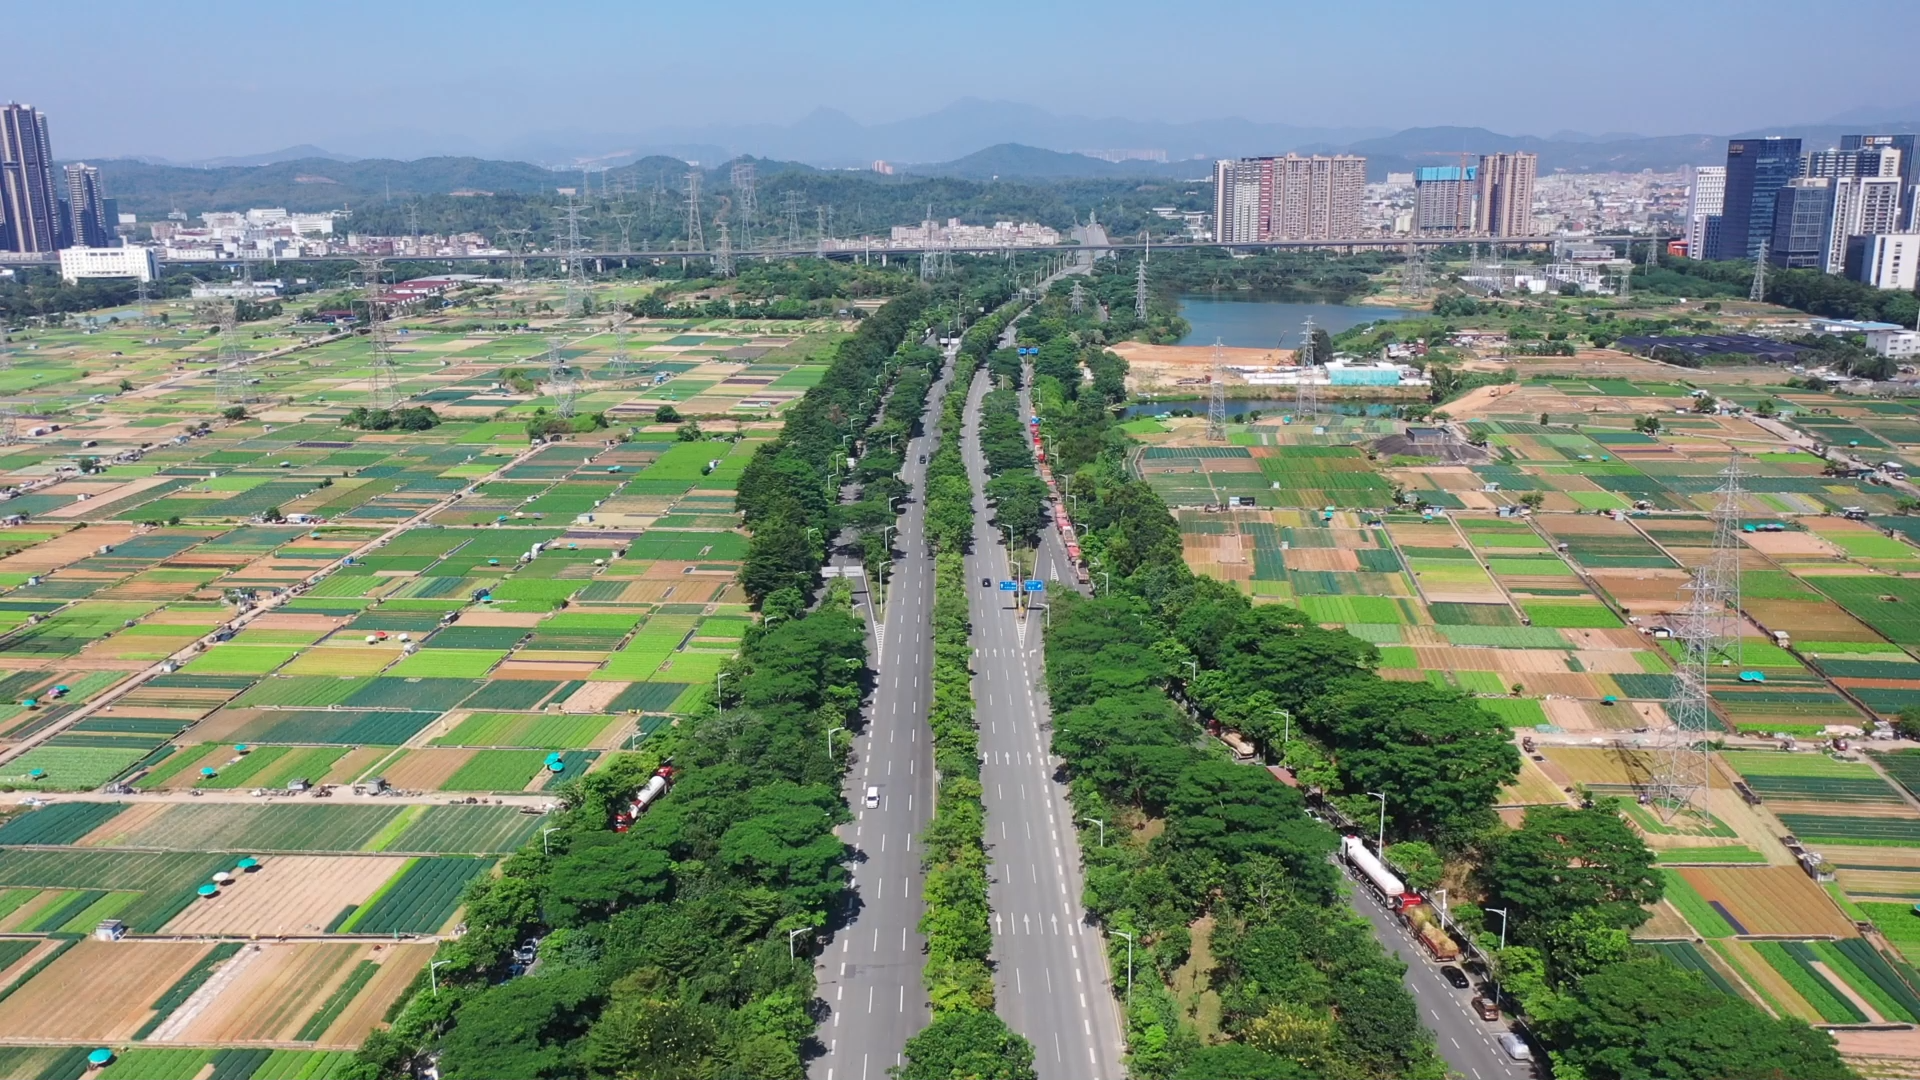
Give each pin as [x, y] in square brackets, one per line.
[1051, 978]
[1465, 1041]
[869, 970]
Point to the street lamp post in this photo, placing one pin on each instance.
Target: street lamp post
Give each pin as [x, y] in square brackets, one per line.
[546, 845]
[1048, 608]
[1129, 938]
[830, 733]
[1106, 581]
[1502, 912]
[433, 975]
[1193, 669]
[718, 703]
[1443, 901]
[1382, 842]
[791, 934]
[1103, 829]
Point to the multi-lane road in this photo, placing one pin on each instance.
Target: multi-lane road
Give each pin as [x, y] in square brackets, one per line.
[869, 970]
[1050, 975]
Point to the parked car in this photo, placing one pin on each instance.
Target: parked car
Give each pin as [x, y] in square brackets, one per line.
[1455, 976]
[1516, 1047]
[1487, 1008]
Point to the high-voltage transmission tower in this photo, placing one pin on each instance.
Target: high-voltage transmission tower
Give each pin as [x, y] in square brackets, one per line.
[1140, 291]
[230, 373]
[1077, 299]
[1413, 274]
[747, 200]
[576, 250]
[560, 384]
[1758, 293]
[1306, 395]
[383, 381]
[1216, 393]
[792, 210]
[723, 255]
[620, 365]
[1653, 248]
[9, 424]
[820, 240]
[1709, 632]
[696, 233]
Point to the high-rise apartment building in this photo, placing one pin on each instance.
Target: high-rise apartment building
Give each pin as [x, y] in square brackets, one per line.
[1909, 171]
[1443, 199]
[29, 207]
[88, 223]
[1862, 206]
[1704, 201]
[1757, 170]
[1802, 232]
[1505, 193]
[1288, 198]
[1887, 261]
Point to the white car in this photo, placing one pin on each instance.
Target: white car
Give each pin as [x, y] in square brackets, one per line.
[873, 797]
[1516, 1047]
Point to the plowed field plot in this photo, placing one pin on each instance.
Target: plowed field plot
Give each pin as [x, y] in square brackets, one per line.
[100, 991]
[288, 894]
[1768, 900]
[420, 900]
[236, 827]
[476, 830]
[266, 992]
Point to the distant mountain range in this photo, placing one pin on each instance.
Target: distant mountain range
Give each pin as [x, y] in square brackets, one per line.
[971, 139]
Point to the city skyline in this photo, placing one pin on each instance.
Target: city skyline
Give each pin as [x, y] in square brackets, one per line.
[453, 97]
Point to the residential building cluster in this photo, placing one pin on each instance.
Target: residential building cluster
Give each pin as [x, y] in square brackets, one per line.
[1288, 198]
[273, 233]
[1852, 209]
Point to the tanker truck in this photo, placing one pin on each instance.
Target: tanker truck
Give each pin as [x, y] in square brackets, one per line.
[1385, 884]
[644, 797]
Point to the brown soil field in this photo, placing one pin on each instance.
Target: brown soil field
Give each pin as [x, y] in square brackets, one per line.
[516, 669]
[1890, 858]
[593, 698]
[19, 967]
[1607, 765]
[1760, 973]
[289, 894]
[1165, 366]
[280, 620]
[399, 964]
[1532, 788]
[1632, 585]
[114, 831]
[68, 548]
[1667, 924]
[97, 991]
[263, 994]
[561, 656]
[1791, 543]
[1608, 661]
[425, 770]
[1816, 620]
[26, 913]
[1865, 884]
[489, 617]
[1771, 900]
[354, 763]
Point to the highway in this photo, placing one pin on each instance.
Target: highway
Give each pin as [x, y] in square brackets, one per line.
[1050, 974]
[1466, 1042]
[869, 968]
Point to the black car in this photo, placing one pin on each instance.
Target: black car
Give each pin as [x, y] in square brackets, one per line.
[986, 583]
[1455, 976]
[923, 459]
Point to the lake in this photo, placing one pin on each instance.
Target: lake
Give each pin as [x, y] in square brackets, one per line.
[1253, 323]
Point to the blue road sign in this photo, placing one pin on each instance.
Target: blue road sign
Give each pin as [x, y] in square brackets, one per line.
[1009, 586]
[1034, 585]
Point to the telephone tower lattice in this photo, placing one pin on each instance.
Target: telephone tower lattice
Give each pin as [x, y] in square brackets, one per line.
[1216, 393]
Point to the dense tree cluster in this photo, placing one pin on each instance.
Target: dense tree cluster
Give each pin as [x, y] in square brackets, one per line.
[1810, 291]
[412, 418]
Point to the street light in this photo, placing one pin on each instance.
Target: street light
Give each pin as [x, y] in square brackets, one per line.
[1443, 901]
[830, 732]
[1106, 580]
[1129, 938]
[1193, 669]
[546, 846]
[1382, 842]
[1103, 828]
[1286, 729]
[791, 934]
[433, 975]
[1048, 608]
[1502, 912]
[718, 703]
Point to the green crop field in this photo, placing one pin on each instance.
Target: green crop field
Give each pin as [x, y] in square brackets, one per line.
[246, 827]
[496, 770]
[477, 830]
[537, 730]
[421, 900]
[1822, 828]
[61, 823]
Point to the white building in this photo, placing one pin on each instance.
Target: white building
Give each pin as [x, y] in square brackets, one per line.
[1885, 261]
[238, 290]
[1706, 199]
[118, 262]
[1896, 344]
[1862, 206]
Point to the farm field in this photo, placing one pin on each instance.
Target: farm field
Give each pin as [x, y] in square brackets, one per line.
[340, 612]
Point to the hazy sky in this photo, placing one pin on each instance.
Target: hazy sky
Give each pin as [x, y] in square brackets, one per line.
[196, 79]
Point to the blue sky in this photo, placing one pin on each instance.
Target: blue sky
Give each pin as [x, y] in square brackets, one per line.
[197, 79]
